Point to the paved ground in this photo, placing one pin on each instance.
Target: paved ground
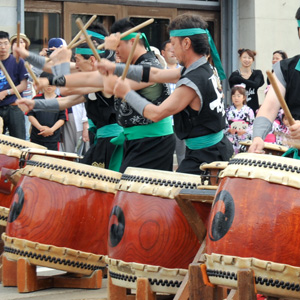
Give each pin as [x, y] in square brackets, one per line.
[11, 293]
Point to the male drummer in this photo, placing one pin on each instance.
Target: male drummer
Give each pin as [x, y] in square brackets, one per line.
[287, 76]
[196, 103]
[147, 144]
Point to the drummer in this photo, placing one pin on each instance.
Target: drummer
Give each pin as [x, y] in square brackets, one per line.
[287, 76]
[197, 102]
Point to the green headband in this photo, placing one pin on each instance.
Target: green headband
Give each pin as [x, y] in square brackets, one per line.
[214, 51]
[298, 21]
[86, 51]
[96, 35]
[133, 35]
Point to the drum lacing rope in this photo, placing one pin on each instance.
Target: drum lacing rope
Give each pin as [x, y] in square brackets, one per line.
[4, 218]
[264, 164]
[53, 259]
[11, 144]
[258, 280]
[152, 281]
[73, 170]
[158, 181]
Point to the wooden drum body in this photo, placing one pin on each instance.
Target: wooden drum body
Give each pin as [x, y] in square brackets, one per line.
[254, 223]
[10, 152]
[60, 210]
[148, 234]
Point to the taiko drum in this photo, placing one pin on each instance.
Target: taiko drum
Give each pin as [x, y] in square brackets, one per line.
[148, 234]
[254, 223]
[10, 153]
[63, 205]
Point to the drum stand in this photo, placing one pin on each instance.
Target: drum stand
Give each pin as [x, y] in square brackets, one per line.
[196, 285]
[22, 273]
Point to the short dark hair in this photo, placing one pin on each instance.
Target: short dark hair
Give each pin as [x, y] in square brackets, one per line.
[281, 53]
[122, 26]
[298, 14]
[199, 41]
[164, 44]
[98, 28]
[4, 35]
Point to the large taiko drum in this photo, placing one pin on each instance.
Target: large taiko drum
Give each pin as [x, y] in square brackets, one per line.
[148, 234]
[254, 223]
[211, 172]
[269, 148]
[10, 153]
[59, 215]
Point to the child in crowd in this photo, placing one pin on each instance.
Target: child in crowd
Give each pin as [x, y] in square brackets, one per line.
[239, 117]
[46, 125]
[282, 131]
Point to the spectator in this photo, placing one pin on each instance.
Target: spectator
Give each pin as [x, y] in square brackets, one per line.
[46, 125]
[240, 118]
[29, 92]
[13, 117]
[253, 79]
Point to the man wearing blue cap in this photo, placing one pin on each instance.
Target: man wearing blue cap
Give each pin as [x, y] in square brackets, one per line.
[196, 103]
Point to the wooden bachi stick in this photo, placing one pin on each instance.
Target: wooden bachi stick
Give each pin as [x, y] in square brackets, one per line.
[280, 98]
[28, 67]
[88, 39]
[134, 29]
[129, 59]
[12, 85]
[77, 36]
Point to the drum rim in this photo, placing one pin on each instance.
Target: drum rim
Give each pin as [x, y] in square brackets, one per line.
[4, 212]
[262, 269]
[50, 152]
[15, 248]
[155, 274]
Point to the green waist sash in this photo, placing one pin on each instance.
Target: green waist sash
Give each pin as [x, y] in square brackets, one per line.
[161, 128]
[110, 130]
[204, 141]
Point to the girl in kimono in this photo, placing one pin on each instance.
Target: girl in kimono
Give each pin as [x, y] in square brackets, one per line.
[239, 118]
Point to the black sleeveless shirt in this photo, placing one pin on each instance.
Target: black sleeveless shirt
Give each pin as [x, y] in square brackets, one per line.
[156, 94]
[211, 117]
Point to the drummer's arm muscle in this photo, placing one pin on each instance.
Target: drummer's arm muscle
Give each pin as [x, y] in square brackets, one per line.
[164, 75]
[271, 105]
[69, 101]
[67, 91]
[84, 79]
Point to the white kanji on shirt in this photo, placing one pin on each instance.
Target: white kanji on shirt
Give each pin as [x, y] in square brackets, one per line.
[218, 103]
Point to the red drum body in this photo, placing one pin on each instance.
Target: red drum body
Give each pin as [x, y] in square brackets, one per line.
[148, 234]
[62, 208]
[269, 148]
[10, 153]
[254, 223]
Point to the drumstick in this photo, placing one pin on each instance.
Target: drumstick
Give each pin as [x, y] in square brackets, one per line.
[28, 67]
[78, 43]
[88, 39]
[280, 98]
[18, 40]
[134, 29]
[129, 59]
[77, 36]
[12, 85]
